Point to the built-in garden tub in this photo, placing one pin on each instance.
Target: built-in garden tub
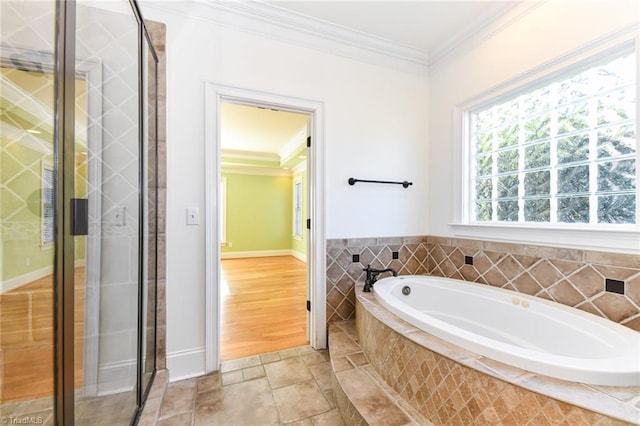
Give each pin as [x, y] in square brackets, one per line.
[460, 352]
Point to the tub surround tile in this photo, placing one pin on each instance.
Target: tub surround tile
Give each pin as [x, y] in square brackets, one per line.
[342, 273]
[572, 277]
[362, 397]
[475, 390]
[374, 405]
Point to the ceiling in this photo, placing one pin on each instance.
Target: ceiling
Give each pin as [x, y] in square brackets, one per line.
[421, 24]
[424, 25]
[249, 128]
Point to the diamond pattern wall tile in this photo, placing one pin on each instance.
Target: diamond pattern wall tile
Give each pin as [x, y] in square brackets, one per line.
[449, 393]
[566, 280]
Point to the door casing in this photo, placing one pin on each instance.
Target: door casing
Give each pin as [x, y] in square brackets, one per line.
[215, 95]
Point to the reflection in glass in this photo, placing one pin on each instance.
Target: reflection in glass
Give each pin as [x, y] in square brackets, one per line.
[26, 210]
[107, 174]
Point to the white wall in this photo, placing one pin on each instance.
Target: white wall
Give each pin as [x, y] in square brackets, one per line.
[545, 33]
[375, 128]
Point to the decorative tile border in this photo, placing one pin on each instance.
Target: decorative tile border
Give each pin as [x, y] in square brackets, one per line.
[449, 385]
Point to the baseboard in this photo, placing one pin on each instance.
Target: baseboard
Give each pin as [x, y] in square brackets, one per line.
[13, 283]
[116, 377]
[257, 253]
[300, 256]
[186, 364]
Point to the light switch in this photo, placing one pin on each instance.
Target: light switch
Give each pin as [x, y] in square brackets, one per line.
[193, 216]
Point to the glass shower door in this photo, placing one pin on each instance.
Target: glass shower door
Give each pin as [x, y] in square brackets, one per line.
[107, 175]
[27, 215]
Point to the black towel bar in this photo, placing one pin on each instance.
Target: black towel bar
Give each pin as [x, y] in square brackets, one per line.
[405, 184]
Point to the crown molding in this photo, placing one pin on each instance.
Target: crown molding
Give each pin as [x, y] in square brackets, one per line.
[270, 21]
[241, 169]
[266, 20]
[484, 27]
[239, 154]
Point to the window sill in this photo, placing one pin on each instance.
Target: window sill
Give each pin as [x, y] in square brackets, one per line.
[612, 240]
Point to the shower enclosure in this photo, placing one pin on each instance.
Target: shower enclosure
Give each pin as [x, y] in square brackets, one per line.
[78, 211]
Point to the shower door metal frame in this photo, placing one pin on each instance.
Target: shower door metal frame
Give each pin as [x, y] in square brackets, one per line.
[64, 140]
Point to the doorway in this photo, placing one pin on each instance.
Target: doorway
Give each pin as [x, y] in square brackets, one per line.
[216, 97]
[263, 199]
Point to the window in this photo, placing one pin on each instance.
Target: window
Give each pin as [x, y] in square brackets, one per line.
[559, 153]
[223, 210]
[297, 208]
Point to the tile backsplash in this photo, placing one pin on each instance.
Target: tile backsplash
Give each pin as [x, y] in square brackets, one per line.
[569, 276]
[343, 272]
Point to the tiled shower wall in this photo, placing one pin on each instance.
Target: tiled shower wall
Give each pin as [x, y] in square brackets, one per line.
[572, 277]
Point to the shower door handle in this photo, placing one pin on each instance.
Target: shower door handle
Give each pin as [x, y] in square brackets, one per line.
[79, 216]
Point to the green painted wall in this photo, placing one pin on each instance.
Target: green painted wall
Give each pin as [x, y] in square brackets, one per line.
[300, 245]
[259, 212]
[20, 207]
[21, 160]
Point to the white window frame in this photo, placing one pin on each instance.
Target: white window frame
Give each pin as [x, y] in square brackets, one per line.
[47, 222]
[297, 208]
[617, 238]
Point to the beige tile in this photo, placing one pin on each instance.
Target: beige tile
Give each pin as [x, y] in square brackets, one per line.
[288, 353]
[615, 306]
[322, 374]
[178, 398]
[342, 344]
[588, 281]
[341, 363]
[312, 358]
[286, 372]
[253, 372]
[149, 416]
[240, 363]
[270, 357]
[208, 382]
[565, 293]
[177, 420]
[373, 403]
[232, 377]
[300, 400]
[246, 403]
[330, 418]
[358, 359]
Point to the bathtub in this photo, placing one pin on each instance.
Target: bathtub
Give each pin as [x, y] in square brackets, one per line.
[517, 329]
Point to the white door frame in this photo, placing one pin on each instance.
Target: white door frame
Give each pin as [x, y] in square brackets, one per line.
[215, 94]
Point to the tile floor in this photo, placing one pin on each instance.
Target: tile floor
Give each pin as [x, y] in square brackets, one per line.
[287, 387]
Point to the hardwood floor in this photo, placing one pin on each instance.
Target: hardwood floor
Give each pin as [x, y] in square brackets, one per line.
[26, 339]
[263, 305]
